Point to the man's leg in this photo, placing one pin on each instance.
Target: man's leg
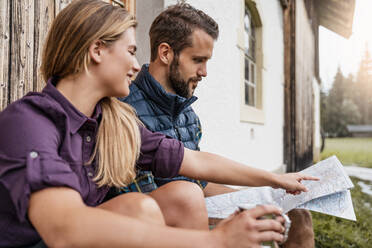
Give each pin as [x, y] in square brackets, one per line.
[301, 233]
[182, 204]
[136, 205]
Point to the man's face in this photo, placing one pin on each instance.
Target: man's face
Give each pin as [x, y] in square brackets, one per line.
[188, 68]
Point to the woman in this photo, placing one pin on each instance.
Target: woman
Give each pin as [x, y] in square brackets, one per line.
[77, 140]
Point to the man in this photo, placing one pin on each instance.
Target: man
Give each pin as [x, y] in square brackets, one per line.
[163, 91]
[182, 40]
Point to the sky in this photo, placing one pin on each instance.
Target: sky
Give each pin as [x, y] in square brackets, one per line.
[334, 50]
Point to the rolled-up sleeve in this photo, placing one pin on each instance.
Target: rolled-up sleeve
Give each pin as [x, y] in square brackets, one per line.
[160, 154]
[21, 177]
[29, 160]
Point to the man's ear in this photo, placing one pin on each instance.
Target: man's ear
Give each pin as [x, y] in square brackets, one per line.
[165, 53]
[96, 51]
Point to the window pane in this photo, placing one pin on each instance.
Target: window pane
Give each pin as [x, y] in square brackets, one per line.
[246, 71]
[252, 50]
[251, 96]
[246, 42]
[253, 74]
[246, 93]
[247, 21]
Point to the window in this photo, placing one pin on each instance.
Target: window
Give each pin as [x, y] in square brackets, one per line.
[249, 60]
[250, 44]
[130, 5]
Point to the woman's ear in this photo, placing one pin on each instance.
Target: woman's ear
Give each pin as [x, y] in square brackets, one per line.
[165, 53]
[96, 51]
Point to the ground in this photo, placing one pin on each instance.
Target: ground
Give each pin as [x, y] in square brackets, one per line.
[336, 232]
[350, 151]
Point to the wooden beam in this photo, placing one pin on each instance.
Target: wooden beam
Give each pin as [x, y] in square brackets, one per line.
[289, 15]
[4, 53]
[44, 15]
[59, 5]
[22, 52]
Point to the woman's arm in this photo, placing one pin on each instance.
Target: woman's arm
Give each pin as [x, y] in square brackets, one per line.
[217, 169]
[63, 220]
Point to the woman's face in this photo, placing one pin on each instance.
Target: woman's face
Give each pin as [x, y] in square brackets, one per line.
[119, 65]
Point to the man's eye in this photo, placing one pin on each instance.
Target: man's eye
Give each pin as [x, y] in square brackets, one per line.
[132, 52]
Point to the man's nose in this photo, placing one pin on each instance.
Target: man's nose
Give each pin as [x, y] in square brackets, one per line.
[202, 72]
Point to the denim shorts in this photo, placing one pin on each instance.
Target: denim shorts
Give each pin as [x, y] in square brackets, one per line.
[145, 182]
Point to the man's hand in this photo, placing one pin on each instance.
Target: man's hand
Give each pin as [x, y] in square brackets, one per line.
[291, 182]
[249, 229]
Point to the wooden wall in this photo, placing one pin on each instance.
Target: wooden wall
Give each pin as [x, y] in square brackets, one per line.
[305, 68]
[23, 29]
[300, 42]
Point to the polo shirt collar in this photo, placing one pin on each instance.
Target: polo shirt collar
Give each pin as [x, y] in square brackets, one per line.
[76, 119]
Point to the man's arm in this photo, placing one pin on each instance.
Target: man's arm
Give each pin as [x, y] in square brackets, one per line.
[217, 169]
[216, 189]
[63, 220]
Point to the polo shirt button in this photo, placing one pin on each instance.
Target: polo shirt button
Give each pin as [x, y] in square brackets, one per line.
[88, 139]
[90, 174]
[34, 154]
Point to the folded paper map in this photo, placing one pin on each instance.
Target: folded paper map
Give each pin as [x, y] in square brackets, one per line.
[330, 195]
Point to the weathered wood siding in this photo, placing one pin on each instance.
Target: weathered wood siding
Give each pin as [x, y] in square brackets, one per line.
[23, 28]
[4, 52]
[289, 16]
[22, 44]
[300, 39]
[43, 19]
[305, 57]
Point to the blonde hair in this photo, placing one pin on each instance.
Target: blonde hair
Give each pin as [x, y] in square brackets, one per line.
[65, 53]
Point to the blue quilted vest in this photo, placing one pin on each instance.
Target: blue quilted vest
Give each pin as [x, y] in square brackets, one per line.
[163, 112]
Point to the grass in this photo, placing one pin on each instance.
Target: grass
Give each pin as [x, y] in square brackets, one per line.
[336, 232]
[357, 151]
[333, 232]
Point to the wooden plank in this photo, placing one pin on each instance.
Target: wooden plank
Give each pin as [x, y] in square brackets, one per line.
[4, 52]
[44, 15]
[289, 24]
[59, 5]
[305, 64]
[22, 44]
[131, 6]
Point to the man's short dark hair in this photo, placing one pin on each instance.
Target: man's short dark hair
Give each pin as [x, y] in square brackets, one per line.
[175, 26]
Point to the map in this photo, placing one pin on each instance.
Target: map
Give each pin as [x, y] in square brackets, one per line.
[330, 195]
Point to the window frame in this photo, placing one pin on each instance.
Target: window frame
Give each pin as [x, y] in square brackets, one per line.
[249, 113]
[129, 5]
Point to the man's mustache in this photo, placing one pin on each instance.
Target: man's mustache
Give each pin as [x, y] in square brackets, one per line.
[195, 79]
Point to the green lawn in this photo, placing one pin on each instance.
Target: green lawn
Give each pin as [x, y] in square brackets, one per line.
[331, 232]
[336, 232]
[350, 151]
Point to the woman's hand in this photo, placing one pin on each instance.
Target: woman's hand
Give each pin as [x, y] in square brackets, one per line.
[291, 182]
[248, 229]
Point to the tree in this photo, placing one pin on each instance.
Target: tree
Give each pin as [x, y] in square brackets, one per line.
[363, 89]
[337, 108]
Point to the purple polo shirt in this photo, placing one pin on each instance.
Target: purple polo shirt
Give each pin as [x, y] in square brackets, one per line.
[44, 142]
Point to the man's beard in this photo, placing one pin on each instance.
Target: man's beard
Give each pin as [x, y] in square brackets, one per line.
[179, 85]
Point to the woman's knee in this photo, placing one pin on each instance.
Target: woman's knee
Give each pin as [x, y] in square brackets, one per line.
[181, 198]
[182, 204]
[187, 195]
[135, 205]
[147, 207]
